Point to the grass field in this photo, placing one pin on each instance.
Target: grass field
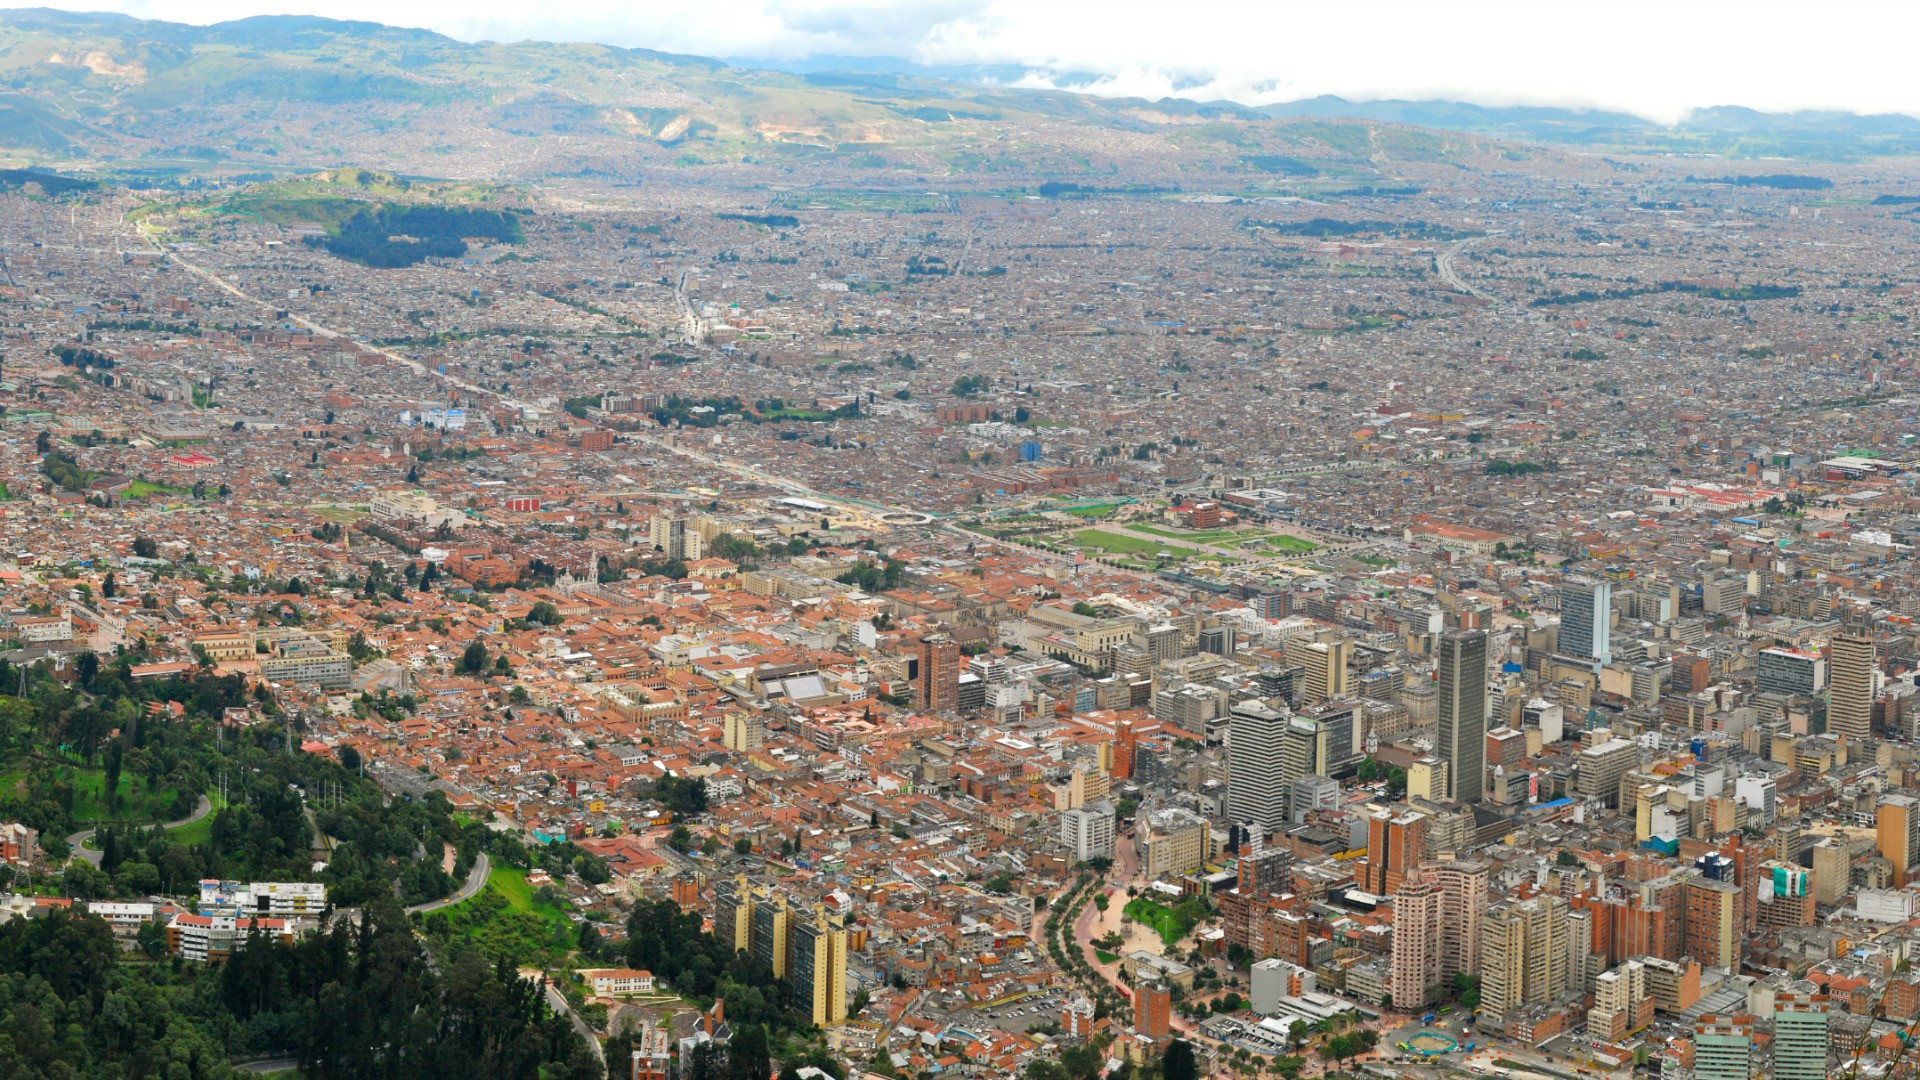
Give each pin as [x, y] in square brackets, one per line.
[1293, 544]
[1193, 536]
[142, 489]
[1117, 543]
[1091, 512]
[1104, 956]
[512, 886]
[1166, 922]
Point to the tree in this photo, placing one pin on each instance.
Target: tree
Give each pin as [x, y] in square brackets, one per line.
[743, 846]
[474, 660]
[1178, 1062]
[1297, 1034]
[680, 839]
[144, 547]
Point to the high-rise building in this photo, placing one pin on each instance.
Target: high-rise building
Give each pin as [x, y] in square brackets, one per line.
[817, 968]
[1302, 748]
[1621, 1003]
[1326, 669]
[810, 952]
[1256, 791]
[733, 903]
[675, 537]
[1898, 835]
[1800, 1036]
[1713, 922]
[1463, 900]
[1832, 870]
[1418, 930]
[939, 676]
[1153, 1010]
[1462, 738]
[1087, 831]
[1394, 844]
[1526, 956]
[1850, 674]
[1722, 1049]
[772, 923]
[1338, 721]
[1586, 619]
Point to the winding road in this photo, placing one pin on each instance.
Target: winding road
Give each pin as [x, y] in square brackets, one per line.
[78, 840]
[476, 880]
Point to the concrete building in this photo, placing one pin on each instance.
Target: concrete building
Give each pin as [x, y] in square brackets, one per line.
[1897, 835]
[1586, 619]
[1418, 929]
[1800, 1036]
[1527, 956]
[1087, 831]
[1722, 1049]
[817, 968]
[1175, 842]
[1850, 707]
[1326, 669]
[1461, 740]
[1256, 788]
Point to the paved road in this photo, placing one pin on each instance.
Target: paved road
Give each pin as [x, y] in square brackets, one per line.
[476, 880]
[80, 838]
[558, 1003]
[271, 1065]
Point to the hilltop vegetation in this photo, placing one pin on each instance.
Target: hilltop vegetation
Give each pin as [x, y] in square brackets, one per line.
[280, 92]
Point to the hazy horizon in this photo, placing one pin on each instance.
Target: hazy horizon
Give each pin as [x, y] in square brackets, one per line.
[1657, 61]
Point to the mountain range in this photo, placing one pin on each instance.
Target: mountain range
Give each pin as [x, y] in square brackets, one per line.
[294, 92]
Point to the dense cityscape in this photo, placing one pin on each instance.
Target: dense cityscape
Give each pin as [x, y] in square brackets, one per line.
[1409, 606]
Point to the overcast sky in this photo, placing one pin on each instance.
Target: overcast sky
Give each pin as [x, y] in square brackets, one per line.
[1657, 58]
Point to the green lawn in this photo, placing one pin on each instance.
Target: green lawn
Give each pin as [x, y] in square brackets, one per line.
[1193, 536]
[201, 831]
[1293, 544]
[1117, 543]
[1104, 956]
[512, 886]
[1169, 924]
[1090, 512]
[142, 489]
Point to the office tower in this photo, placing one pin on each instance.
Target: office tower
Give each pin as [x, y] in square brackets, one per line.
[1713, 922]
[1302, 747]
[1217, 640]
[1897, 835]
[817, 968]
[1394, 844]
[772, 924]
[1256, 791]
[1800, 1036]
[1790, 671]
[1850, 673]
[1722, 1049]
[1462, 738]
[1087, 831]
[1153, 1010]
[675, 537]
[1326, 669]
[1526, 956]
[1418, 929]
[1832, 871]
[1339, 752]
[1586, 614]
[1463, 900]
[939, 675]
